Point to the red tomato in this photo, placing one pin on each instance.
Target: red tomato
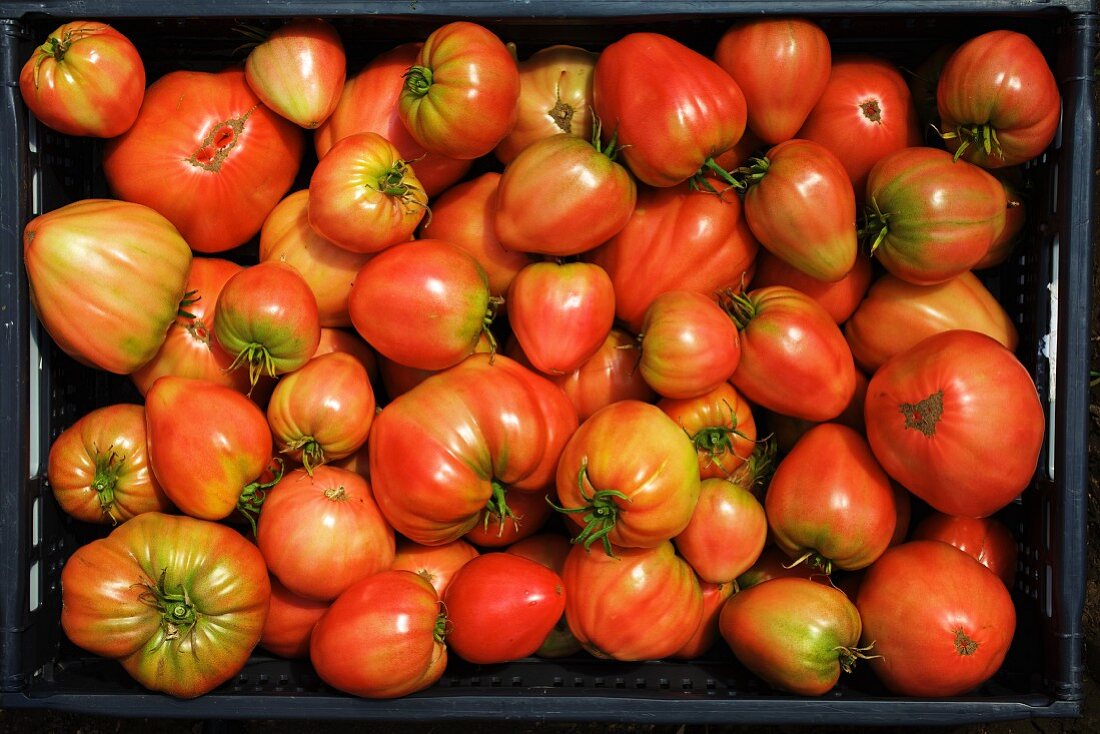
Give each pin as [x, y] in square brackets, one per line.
[203, 138]
[106, 280]
[289, 623]
[437, 564]
[720, 424]
[942, 413]
[460, 95]
[368, 104]
[840, 298]
[672, 109]
[524, 515]
[550, 550]
[787, 430]
[677, 239]
[987, 539]
[501, 607]
[298, 71]
[782, 66]
[339, 340]
[726, 534]
[605, 593]
[689, 345]
[714, 598]
[99, 467]
[398, 378]
[1015, 218]
[941, 621]
[86, 79]
[864, 113]
[628, 476]
[382, 638]
[998, 100]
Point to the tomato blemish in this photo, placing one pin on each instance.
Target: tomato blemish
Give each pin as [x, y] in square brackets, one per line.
[871, 110]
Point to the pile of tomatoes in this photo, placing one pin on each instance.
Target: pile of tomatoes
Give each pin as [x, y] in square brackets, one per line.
[714, 315]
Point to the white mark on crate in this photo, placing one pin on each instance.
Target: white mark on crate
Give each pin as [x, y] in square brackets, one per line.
[34, 591]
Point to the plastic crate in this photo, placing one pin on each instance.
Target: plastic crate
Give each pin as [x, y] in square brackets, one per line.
[1046, 287]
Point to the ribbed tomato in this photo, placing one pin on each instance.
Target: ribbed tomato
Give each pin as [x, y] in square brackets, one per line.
[720, 424]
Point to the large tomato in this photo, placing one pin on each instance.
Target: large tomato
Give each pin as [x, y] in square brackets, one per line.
[86, 79]
[203, 138]
[987, 539]
[106, 280]
[671, 108]
[941, 621]
[179, 602]
[720, 424]
[290, 620]
[726, 534]
[840, 298]
[435, 563]
[942, 414]
[99, 467]
[607, 376]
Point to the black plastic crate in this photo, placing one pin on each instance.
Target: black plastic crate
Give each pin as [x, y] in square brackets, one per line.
[1046, 287]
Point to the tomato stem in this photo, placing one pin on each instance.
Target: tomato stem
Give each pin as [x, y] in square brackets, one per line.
[108, 465]
[310, 449]
[849, 655]
[260, 362]
[739, 306]
[497, 507]
[602, 512]
[418, 80]
[877, 223]
[701, 180]
[495, 302]
[253, 495]
[178, 614]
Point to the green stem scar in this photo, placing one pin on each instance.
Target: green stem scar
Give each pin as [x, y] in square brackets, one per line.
[178, 614]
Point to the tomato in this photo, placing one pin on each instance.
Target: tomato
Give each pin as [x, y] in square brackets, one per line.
[205, 138]
[340, 340]
[839, 298]
[321, 533]
[550, 550]
[794, 359]
[904, 504]
[864, 113]
[398, 378]
[931, 218]
[829, 502]
[180, 603]
[677, 239]
[714, 598]
[726, 534]
[896, 315]
[327, 269]
[689, 345]
[720, 424]
[787, 430]
[774, 564]
[1015, 218]
[671, 108]
[98, 468]
[800, 205]
[368, 103]
[298, 70]
[555, 96]
[423, 304]
[460, 95]
[382, 638]
[795, 634]
[782, 66]
[628, 476]
[525, 515]
[290, 620]
[363, 196]
[479, 430]
[940, 414]
[322, 411]
[208, 446]
[998, 100]
[106, 280]
[86, 79]
[436, 564]
[501, 607]
[987, 539]
[941, 621]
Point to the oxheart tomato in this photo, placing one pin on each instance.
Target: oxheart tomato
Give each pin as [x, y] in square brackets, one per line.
[289, 623]
[714, 599]
[671, 108]
[550, 550]
[203, 138]
[106, 280]
[501, 607]
[726, 534]
[839, 298]
[435, 563]
[942, 413]
[86, 79]
[382, 638]
[99, 467]
[720, 424]
[987, 539]
[179, 602]
[941, 621]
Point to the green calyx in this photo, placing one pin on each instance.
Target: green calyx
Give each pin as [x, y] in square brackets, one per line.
[441, 624]
[876, 226]
[311, 452]
[253, 495]
[190, 298]
[259, 360]
[739, 306]
[497, 509]
[108, 465]
[612, 148]
[848, 656]
[813, 559]
[418, 80]
[178, 613]
[710, 168]
[982, 136]
[601, 512]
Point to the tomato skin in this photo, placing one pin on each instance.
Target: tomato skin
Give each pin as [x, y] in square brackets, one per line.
[501, 607]
[382, 638]
[897, 315]
[200, 138]
[1015, 218]
[840, 298]
[714, 598]
[460, 95]
[795, 634]
[1000, 82]
[787, 430]
[437, 564]
[689, 345]
[721, 426]
[671, 108]
[726, 534]
[290, 620]
[120, 595]
[943, 412]
[550, 550]
[941, 621]
[99, 467]
[71, 253]
[340, 340]
[530, 511]
[987, 539]
[398, 378]
[603, 594]
[782, 66]
[299, 71]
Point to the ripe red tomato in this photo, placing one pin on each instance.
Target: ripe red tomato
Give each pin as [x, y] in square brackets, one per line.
[714, 598]
[525, 515]
[501, 607]
[840, 298]
[398, 378]
[298, 70]
[987, 539]
[689, 345]
[998, 100]
[290, 621]
[940, 414]
[460, 95]
[203, 138]
[550, 550]
[382, 638]
[782, 66]
[437, 564]
[339, 340]
[787, 430]
[726, 534]
[86, 79]
[941, 621]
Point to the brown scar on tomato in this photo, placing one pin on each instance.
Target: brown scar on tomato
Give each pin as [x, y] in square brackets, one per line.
[925, 414]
